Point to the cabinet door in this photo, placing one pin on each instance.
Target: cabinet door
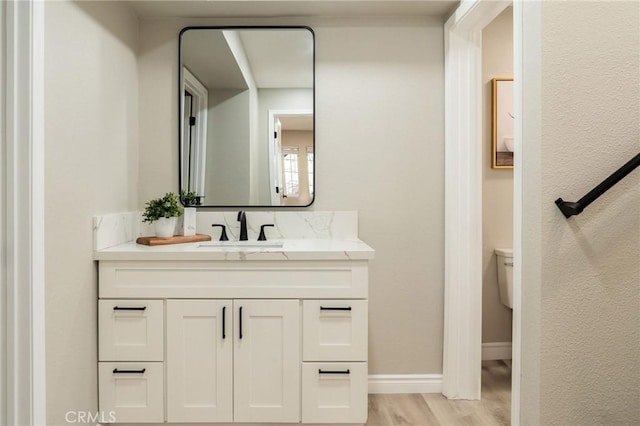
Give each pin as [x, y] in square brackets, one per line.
[267, 361]
[199, 361]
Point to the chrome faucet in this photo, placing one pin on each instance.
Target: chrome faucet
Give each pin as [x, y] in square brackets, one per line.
[242, 218]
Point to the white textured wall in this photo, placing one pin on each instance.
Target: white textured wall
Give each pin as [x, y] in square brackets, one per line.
[91, 166]
[379, 150]
[497, 184]
[581, 276]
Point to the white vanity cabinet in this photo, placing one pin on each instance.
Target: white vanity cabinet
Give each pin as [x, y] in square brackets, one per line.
[242, 341]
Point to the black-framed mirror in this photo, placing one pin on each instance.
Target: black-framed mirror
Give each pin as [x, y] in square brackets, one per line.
[247, 115]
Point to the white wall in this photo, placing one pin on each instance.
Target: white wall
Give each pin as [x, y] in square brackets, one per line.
[91, 163]
[581, 276]
[379, 150]
[227, 175]
[235, 44]
[497, 184]
[3, 235]
[158, 108]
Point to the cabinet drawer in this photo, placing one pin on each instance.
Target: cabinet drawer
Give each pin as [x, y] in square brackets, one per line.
[334, 392]
[131, 330]
[335, 330]
[133, 391]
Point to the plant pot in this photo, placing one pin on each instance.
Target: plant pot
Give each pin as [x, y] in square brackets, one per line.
[165, 227]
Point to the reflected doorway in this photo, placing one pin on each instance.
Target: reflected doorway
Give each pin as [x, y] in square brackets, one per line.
[291, 157]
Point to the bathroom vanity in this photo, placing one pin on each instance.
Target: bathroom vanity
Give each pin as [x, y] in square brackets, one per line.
[272, 332]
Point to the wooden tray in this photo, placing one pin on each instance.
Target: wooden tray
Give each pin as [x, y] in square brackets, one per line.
[178, 239]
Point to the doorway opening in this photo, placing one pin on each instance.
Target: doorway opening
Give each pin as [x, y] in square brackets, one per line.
[195, 105]
[462, 352]
[497, 206]
[291, 157]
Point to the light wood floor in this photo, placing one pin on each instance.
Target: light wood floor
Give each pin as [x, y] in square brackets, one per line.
[433, 409]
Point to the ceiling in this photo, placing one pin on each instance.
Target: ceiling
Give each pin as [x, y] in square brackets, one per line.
[283, 8]
[300, 122]
[207, 55]
[280, 58]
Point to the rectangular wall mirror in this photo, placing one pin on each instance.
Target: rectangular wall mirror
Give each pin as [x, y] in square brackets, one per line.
[247, 97]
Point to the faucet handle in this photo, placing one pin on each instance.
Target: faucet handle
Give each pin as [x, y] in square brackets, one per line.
[223, 234]
[263, 237]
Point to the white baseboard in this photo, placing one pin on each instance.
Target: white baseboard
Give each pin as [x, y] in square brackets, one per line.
[429, 383]
[405, 383]
[496, 350]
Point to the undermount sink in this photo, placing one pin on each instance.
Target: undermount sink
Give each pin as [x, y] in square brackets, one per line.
[242, 244]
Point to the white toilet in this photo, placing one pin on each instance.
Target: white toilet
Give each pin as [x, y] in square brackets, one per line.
[504, 259]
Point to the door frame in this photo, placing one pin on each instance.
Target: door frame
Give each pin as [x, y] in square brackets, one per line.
[195, 176]
[23, 206]
[462, 354]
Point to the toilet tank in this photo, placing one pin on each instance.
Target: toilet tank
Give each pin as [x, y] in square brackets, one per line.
[504, 259]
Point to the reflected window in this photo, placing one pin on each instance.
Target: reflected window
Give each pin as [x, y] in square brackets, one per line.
[290, 170]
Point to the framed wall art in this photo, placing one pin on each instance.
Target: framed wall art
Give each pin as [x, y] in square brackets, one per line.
[502, 123]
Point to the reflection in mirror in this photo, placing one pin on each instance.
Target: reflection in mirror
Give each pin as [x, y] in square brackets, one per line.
[247, 115]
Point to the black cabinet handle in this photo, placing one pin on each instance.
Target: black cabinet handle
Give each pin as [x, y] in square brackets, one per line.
[321, 371]
[240, 322]
[335, 308]
[116, 371]
[224, 316]
[129, 308]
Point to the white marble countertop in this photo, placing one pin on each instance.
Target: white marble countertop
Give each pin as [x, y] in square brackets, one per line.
[290, 249]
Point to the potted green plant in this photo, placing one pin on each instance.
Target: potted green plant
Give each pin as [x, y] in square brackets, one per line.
[163, 213]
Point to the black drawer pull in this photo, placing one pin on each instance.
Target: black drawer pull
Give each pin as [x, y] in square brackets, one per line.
[129, 308]
[116, 371]
[224, 317]
[335, 308]
[321, 371]
[240, 322]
